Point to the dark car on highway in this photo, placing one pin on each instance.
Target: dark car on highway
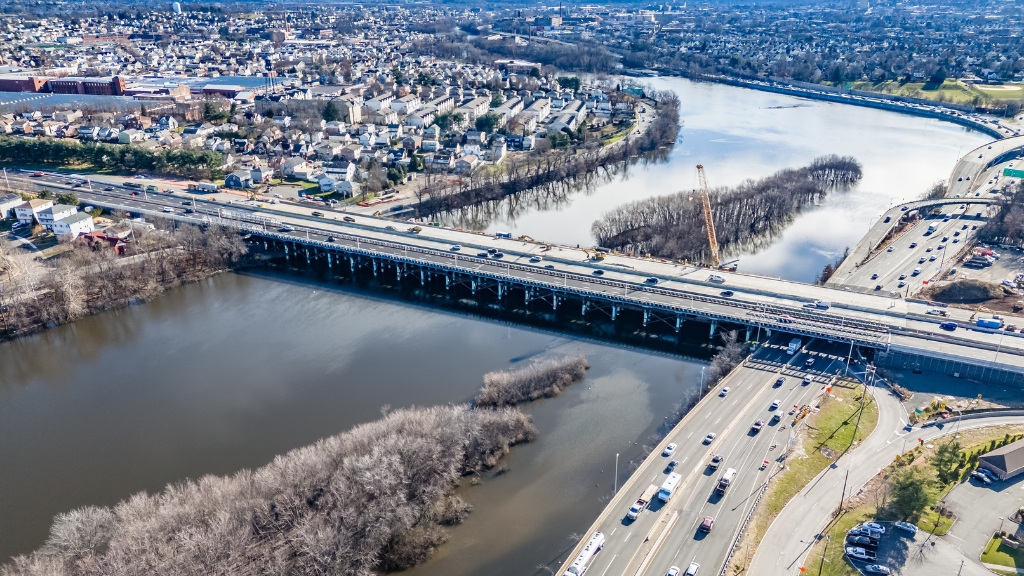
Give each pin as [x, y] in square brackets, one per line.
[948, 326]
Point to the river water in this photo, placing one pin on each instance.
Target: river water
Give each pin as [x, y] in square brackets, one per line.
[227, 373]
[738, 134]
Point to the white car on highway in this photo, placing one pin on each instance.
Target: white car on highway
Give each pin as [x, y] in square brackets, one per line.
[775, 405]
[710, 438]
[691, 570]
[673, 571]
[669, 450]
[724, 392]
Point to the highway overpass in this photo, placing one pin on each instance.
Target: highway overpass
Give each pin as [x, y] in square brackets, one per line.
[551, 280]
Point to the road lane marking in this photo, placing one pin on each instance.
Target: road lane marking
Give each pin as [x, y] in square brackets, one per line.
[606, 568]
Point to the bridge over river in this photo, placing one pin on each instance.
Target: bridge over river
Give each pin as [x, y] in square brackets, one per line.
[560, 281]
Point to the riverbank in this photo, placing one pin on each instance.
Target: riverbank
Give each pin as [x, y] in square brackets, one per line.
[440, 194]
[902, 105]
[375, 498]
[93, 276]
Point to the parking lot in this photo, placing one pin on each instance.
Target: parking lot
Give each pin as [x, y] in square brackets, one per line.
[920, 555]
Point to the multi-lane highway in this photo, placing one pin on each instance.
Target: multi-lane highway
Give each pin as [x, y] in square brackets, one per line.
[669, 534]
[917, 255]
[736, 297]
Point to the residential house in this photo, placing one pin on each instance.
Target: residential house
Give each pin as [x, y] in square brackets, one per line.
[75, 225]
[48, 216]
[327, 183]
[382, 102]
[341, 170]
[466, 164]
[412, 143]
[8, 203]
[28, 212]
[347, 189]
[406, 104]
[475, 108]
[239, 179]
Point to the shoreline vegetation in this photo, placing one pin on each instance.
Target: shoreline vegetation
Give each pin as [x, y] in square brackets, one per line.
[544, 378]
[749, 214]
[88, 277]
[440, 194]
[375, 498]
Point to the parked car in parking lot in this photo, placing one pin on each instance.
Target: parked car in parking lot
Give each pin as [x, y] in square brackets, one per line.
[906, 527]
[877, 569]
[858, 553]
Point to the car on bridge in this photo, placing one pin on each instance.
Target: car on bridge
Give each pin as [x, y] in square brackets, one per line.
[669, 450]
[950, 326]
[758, 425]
[455, 248]
[775, 405]
[691, 570]
[716, 461]
[781, 380]
[651, 280]
[724, 392]
[710, 438]
[707, 524]
[726, 293]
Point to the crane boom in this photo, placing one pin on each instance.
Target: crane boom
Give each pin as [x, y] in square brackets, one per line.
[708, 218]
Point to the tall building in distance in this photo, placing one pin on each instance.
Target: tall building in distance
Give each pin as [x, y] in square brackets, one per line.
[176, 7]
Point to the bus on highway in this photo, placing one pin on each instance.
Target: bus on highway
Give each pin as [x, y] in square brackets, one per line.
[583, 559]
[669, 487]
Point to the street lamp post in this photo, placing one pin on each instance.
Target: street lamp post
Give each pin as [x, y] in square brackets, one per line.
[615, 490]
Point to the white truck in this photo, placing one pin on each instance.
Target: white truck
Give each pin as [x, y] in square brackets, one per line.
[583, 559]
[725, 481]
[794, 345]
[642, 502]
[669, 487]
[931, 228]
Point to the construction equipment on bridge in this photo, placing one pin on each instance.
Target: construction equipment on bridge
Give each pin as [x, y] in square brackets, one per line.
[415, 230]
[525, 238]
[708, 219]
[976, 310]
[594, 254]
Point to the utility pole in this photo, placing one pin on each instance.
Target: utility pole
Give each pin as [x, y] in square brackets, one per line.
[824, 552]
[842, 499]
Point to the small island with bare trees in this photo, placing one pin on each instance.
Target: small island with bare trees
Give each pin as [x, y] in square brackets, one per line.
[673, 226]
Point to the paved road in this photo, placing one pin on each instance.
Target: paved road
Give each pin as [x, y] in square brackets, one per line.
[787, 542]
[647, 546]
[679, 286]
[971, 179]
[917, 250]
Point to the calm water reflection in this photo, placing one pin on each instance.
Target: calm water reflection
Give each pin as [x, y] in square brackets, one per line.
[738, 134]
[223, 375]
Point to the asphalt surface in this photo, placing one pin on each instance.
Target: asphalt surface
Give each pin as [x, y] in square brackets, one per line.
[754, 299]
[788, 540]
[645, 546]
[978, 508]
[897, 266]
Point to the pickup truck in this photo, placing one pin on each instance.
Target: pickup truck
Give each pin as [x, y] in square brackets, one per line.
[858, 553]
[642, 502]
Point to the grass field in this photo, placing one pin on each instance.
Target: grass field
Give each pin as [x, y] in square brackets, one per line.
[949, 91]
[998, 553]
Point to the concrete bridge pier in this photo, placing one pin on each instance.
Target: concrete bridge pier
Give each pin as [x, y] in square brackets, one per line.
[423, 279]
[647, 316]
[501, 290]
[374, 268]
[714, 326]
[747, 339]
[352, 265]
[526, 296]
[679, 322]
[287, 258]
[328, 260]
[472, 286]
[583, 312]
[447, 282]
[615, 312]
[307, 256]
[554, 301]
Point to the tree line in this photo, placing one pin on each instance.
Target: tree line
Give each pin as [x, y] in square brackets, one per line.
[441, 194]
[90, 277]
[196, 164]
[673, 226]
[375, 498]
[1007, 226]
[542, 379]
